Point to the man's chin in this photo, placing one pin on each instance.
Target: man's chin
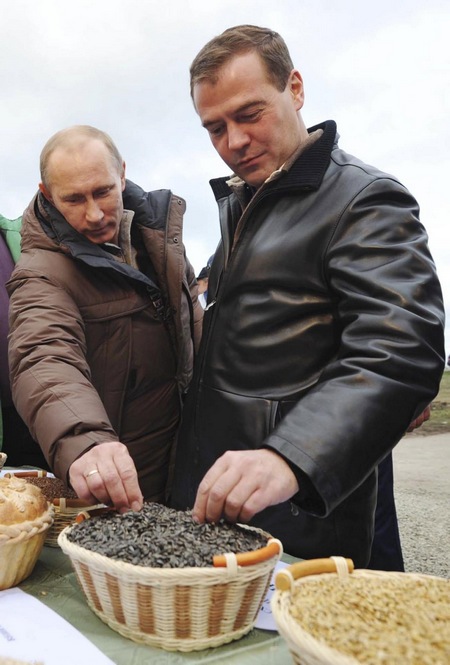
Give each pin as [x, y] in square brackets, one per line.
[253, 178]
[101, 237]
[253, 182]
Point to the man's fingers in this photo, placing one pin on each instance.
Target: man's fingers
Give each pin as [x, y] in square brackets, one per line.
[96, 487]
[208, 503]
[108, 484]
[120, 487]
[241, 484]
[225, 492]
[241, 503]
[130, 492]
[419, 421]
[213, 491]
[253, 504]
[107, 474]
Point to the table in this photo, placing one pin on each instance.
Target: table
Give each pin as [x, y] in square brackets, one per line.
[54, 583]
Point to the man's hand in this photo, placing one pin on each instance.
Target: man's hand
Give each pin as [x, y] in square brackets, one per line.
[106, 474]
[241, 483]
[424, 416]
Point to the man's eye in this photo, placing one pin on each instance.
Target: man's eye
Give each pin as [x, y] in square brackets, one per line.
[104, 192]
[251, 117]
[216, 131]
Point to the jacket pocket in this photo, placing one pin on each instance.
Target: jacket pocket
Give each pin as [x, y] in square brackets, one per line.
[228, 421]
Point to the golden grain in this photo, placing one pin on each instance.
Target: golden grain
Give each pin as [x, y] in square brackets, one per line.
[395, 620]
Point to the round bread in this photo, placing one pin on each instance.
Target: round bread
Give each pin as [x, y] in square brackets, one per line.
[25, 517]
[20, 501]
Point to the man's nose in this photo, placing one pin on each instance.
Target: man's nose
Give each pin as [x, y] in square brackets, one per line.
[94, 213]
[237, 137]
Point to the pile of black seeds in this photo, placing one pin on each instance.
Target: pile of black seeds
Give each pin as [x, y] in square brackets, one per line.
[52, 488]
[161, 537]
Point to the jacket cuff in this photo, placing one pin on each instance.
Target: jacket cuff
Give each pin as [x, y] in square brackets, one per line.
[307, 498]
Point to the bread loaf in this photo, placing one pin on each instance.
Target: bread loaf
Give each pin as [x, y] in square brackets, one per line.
[20, 501]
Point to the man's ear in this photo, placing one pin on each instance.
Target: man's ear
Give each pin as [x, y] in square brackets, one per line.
[43, 189]
[295, 84]
[123, 177]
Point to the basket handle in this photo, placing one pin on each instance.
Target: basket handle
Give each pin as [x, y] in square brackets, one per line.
[286, 577]
[87, 514]
[70, 503]
[27, 474]
[272, 549]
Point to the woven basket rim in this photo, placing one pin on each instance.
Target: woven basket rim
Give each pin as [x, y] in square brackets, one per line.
[153, 573]
[301, 641]
[366, 572]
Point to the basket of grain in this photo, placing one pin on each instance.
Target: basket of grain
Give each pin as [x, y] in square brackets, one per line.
[330, 614]
[66, 503]
[157, 577]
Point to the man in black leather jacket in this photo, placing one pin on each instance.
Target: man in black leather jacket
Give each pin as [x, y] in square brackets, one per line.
[323, 332]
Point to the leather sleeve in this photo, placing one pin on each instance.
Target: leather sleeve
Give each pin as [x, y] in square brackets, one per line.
[390, 357]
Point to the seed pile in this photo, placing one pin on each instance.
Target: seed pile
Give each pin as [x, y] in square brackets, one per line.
[161, 537]
[378, 621]
[52, 488]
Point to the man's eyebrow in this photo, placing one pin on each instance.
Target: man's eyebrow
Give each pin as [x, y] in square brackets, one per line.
[241, 109]
[104, 187]
[71, 195]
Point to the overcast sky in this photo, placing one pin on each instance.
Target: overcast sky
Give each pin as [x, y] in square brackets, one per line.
[380, 69]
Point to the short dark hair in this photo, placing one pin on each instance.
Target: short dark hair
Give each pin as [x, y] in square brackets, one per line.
[268, 44]
[204, 273]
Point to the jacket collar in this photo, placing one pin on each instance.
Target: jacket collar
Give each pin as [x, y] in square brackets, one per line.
[81, 249]
[306, 172]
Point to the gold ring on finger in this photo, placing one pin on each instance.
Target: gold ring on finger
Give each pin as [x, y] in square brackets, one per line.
[91, 473]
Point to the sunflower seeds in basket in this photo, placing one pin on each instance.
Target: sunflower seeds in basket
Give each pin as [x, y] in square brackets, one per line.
[161, 537]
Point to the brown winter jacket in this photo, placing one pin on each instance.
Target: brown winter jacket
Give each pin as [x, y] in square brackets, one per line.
[98, 350]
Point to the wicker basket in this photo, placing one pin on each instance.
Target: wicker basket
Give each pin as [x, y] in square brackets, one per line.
[20, 546]
[178, 609]
[308, 650]
[65, 510]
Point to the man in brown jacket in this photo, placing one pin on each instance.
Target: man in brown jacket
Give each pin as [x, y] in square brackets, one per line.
[104, 320]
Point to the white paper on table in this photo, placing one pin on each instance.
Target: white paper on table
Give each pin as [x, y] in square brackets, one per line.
[265, 619]
[32, 632]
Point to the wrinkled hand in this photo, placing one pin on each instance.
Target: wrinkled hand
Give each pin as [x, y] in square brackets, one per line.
[241, 483]
[424, 416]
[115, 480]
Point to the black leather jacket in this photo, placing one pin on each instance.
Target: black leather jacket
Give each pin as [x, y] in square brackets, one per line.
[322, 341]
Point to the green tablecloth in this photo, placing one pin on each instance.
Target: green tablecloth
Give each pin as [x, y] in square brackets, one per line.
[54, 583]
